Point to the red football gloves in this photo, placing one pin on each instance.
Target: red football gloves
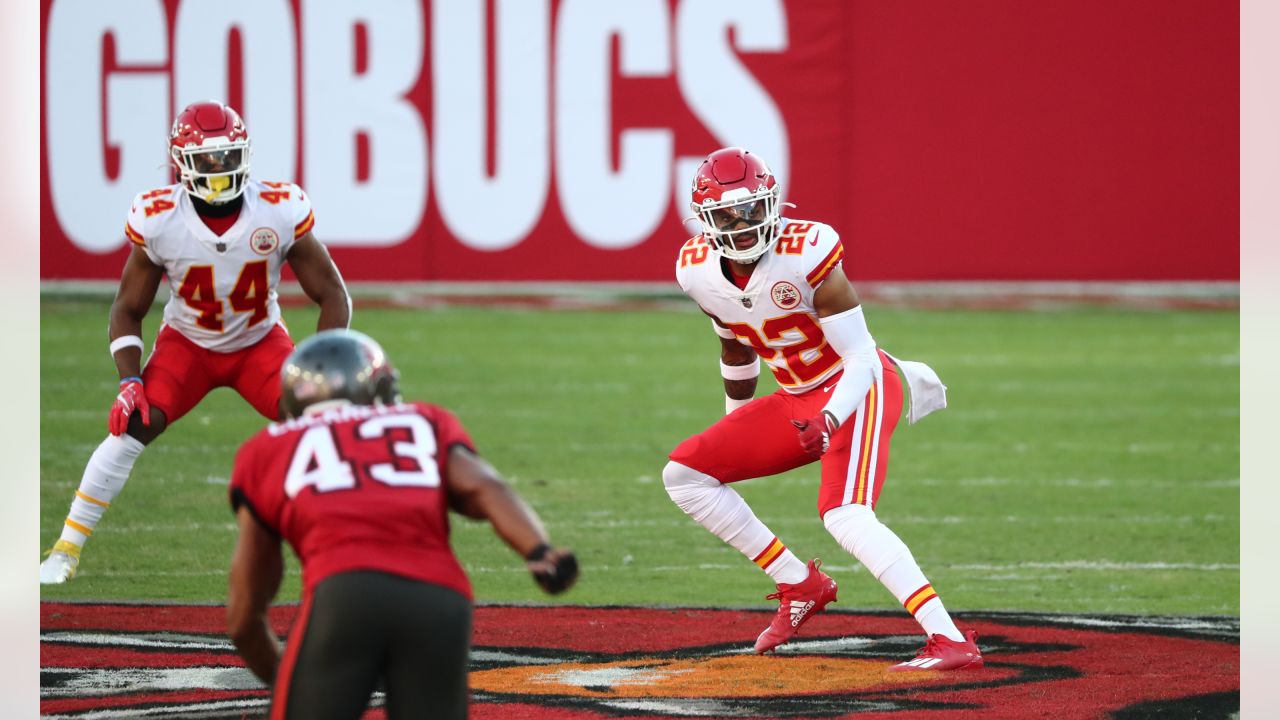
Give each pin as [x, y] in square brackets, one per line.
[815, 433]
[131, 398]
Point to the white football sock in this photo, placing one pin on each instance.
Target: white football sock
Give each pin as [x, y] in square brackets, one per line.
[861, 533]
[720, 509]
[104, 476]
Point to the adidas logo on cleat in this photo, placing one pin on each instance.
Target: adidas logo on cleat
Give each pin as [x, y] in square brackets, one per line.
[796, 604]
[923, 663]
[799, 610]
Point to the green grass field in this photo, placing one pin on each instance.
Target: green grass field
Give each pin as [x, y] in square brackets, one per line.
[1089, 461]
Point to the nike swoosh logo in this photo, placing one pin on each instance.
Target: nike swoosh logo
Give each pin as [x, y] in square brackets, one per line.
[827, 388]
[814, 241]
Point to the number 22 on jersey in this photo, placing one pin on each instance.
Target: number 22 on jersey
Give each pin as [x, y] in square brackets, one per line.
[318, 461]
[249, 294]
[768, 344]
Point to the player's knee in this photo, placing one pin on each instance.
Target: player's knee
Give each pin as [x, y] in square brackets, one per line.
[860, 532]
[146, 433]
[675, 476]
[847, 514]
[682, 481]
[851, 523]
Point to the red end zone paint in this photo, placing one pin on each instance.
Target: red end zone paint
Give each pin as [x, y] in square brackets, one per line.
[575, 662]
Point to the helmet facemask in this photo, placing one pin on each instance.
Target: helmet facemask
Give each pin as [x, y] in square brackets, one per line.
[740, 216]
[215, 172]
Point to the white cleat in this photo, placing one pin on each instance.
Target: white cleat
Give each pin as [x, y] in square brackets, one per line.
[58, 568]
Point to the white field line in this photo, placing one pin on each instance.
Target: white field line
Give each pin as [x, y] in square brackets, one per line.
[516, 568]
[919, 520]
[1091, 565]
[1104, 565]
[1136, 448]
[1098, 414]
[1072, 482]
[676, 522]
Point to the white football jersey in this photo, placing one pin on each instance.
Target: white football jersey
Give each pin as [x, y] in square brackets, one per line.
[223, 286]
[774, 315]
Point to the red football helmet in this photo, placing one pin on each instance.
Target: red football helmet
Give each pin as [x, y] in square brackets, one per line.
[209, 146]
[736, 198]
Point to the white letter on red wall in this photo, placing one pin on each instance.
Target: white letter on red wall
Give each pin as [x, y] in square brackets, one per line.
[200, 46]
[720, 90]
[607, 208]
[491, 212]
[91, 207]
[338, 104]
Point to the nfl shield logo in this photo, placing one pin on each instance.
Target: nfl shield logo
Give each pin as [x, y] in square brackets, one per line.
[746, 302]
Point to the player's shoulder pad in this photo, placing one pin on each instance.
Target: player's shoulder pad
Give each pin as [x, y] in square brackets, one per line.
[289, 199]
[149, 210]
[822, 250]
[432, 412]
[448, 428]
[425, 409]
[694, 252]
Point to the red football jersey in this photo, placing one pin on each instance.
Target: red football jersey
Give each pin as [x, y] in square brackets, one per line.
[357, 487]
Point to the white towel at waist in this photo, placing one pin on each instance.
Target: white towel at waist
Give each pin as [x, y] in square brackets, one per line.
[927, 391]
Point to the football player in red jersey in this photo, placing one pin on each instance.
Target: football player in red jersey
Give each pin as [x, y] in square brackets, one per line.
[360, 485]
[776, 290]
[221, 238]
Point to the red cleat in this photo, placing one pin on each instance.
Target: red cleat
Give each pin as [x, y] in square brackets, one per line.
[941, 653]
[796, 604]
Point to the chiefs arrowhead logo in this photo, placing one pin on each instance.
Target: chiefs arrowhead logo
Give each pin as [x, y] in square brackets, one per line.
[785, 295]
[264, 240]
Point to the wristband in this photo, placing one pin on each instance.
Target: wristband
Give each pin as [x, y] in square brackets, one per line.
[538, 553]
[125, 341]
[731, 404]
[130, 379]
[750, 371]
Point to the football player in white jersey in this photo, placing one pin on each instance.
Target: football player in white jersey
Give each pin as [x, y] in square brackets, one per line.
[221, 238]
[775, 289]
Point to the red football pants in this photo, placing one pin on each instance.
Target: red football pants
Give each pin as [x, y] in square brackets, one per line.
[180, 373]
[758, 439]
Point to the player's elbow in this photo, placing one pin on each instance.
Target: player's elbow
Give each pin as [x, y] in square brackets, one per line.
[240, 622]
[736, 353]
[331, 294]
[245, 619]
[126, 314]
[493, 497]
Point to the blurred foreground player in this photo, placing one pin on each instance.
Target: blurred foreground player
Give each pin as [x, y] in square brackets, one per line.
[360, 485]
[222, 239]
[775, 288]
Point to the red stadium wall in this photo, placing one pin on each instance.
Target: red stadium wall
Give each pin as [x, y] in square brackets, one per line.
[555, 140]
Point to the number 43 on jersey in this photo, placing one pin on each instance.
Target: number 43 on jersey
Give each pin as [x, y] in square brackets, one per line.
[319, 461]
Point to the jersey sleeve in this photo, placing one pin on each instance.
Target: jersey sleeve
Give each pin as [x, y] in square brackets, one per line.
[137, 228]
[290, 209]
[823, 253]
[302, 216]
[449, 430]
[246, 485]
[719, 329]
[693, 253]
